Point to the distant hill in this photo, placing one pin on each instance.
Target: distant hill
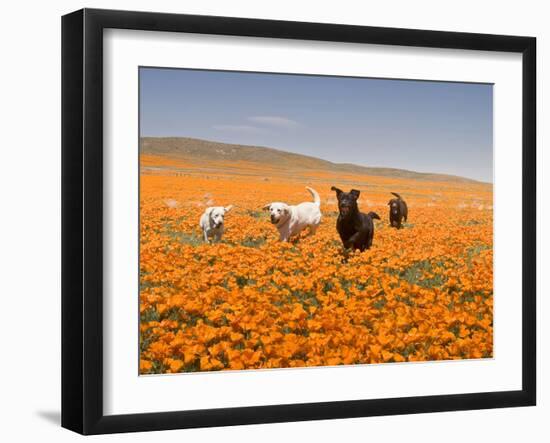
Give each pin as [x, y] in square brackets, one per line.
[192, 149]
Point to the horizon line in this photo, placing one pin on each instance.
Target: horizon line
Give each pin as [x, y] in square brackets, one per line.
[320, 158]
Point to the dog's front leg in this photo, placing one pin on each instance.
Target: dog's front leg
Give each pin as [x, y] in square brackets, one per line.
[353, 240]
[284, 234]
[205, 236]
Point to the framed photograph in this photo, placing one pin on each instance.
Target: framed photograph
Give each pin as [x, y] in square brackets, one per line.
[268, 221]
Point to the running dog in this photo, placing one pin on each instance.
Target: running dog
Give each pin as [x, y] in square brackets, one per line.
[212, 221]
[356, 229]
[291, 220]
[398, 210]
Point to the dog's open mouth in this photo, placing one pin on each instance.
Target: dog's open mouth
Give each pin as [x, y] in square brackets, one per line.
[344, 210]
[274, 220]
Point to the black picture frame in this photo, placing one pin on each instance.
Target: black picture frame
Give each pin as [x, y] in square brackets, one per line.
[82, 215]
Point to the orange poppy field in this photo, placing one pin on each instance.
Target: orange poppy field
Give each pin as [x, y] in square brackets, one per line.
[421, 293]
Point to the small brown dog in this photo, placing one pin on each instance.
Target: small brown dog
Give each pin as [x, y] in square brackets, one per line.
[398, 211]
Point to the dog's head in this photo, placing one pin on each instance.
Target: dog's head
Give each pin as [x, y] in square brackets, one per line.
[216, 215]
[347, 201]
[278, 212]
[394, 206]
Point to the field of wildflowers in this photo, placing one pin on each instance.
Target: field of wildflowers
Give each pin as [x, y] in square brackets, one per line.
[424, 292]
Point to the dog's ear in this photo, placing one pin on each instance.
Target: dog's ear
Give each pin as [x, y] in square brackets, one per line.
[338, 191]
[228, 208]
[286, 209]
[266, 206]
[355, 193]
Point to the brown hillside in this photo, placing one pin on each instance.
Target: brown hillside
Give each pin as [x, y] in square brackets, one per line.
[196, 150]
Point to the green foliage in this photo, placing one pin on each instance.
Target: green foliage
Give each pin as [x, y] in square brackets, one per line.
[251, 242]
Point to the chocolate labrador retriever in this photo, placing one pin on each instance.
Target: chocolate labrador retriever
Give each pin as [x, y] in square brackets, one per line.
[398, 210]
[355, 228]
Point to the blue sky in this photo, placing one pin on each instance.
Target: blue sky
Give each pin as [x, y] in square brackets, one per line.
[423, 126]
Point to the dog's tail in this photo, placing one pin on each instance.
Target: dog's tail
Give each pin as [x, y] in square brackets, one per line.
[316, 198]
[373, 215]
[397, 195]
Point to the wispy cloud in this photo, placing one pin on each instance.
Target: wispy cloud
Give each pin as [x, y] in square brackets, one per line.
[263, 124]
[273, 120]
[243, 129]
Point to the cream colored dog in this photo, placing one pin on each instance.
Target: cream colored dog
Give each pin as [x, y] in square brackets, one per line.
[212, 222]
[291, 220]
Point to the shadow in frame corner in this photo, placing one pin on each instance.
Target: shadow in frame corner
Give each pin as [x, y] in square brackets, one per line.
[51, 416]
